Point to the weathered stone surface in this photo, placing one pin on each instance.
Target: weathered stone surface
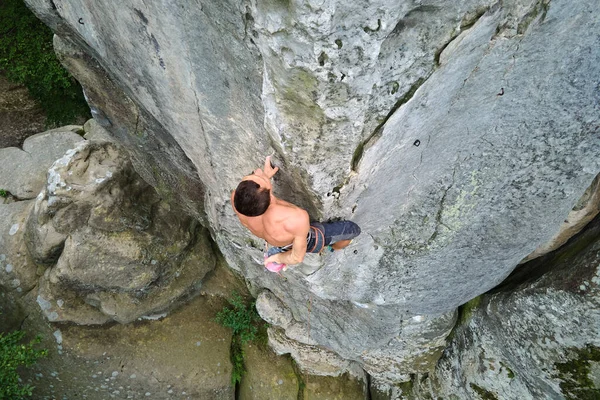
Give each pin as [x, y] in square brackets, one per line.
[22, 172]
[416, 349]
[95, 131]
[345, 387]
[584, 211]
[182, 356]
[458, 135]
[17, 269]
[267, 377]
[536, 337]
[311, 359]
[123, 253]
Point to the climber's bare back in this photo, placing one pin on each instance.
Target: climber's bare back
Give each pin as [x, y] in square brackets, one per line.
[279, 225]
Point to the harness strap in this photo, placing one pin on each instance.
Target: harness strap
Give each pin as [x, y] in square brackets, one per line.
[316, 236]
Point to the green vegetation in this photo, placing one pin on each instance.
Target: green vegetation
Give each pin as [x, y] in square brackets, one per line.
[483, 393]
[27, 57]
[574, 374]
[465, 313]
[243, 320]
[509, 372]
[14, 354]
[3, 193]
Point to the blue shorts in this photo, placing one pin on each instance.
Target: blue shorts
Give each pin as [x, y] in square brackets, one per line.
[323, 234]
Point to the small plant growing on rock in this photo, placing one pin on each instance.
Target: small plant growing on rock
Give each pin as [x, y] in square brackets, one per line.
[3, 193]
[14, 354]
[242, 319]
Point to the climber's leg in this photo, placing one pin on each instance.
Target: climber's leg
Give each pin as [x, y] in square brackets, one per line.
[339, 234]
[340, 244]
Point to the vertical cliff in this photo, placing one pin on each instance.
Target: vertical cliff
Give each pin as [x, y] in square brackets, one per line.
[457, 135]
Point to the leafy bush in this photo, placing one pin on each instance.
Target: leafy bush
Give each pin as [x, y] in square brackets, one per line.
[27, 57]
[12, 355]
[242, 319]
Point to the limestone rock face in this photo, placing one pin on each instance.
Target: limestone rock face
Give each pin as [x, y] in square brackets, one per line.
[531, 340]
[120, 251]
[584, 211]
[22, 171]
[18, 272]
[458, 135]
[22, 177]
[267, 376]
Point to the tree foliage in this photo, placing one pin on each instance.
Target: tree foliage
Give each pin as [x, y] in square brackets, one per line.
[27, 57]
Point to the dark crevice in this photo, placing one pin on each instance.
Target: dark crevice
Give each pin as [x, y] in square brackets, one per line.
[137, 124]
[300, 377]
[236, 351]
[368, 395]
[560, 258]
[465, 24]
[438, 53]
[11, 198]
[53, 5]
[23, 322]
[365, 144]
[440, 212]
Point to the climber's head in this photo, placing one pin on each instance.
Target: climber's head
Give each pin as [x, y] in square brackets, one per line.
[253, 194]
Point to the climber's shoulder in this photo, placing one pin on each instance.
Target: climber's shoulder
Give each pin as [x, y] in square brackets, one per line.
[293, 218]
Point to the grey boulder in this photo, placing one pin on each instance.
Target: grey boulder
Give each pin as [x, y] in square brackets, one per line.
[117, 252]
[22, 171]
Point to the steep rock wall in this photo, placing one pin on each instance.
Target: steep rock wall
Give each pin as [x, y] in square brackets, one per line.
[459, 136]
[536, 337]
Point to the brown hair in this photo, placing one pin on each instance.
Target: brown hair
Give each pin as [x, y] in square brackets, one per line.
[250, 199]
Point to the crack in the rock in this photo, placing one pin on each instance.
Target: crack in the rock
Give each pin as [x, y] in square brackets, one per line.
[23, 322]
[30, 290]
[465, 25]
[197, 100]
[362, 146]
[12, 197]
[137, 122]
[438, 216]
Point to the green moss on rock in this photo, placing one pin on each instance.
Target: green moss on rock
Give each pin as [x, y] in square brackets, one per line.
[574, 374]
[509, 371]
[483, 393]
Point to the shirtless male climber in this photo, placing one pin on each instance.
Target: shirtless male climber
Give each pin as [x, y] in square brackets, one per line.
[284, 226]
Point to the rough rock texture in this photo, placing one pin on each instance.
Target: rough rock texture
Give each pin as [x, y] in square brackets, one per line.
[22, 172]
[267, 377]
[120, 251]
[536, 337]
[328, 388]
[584, 211]
[458, 135]
[182, 356]
[23, 175]
[18, 272]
